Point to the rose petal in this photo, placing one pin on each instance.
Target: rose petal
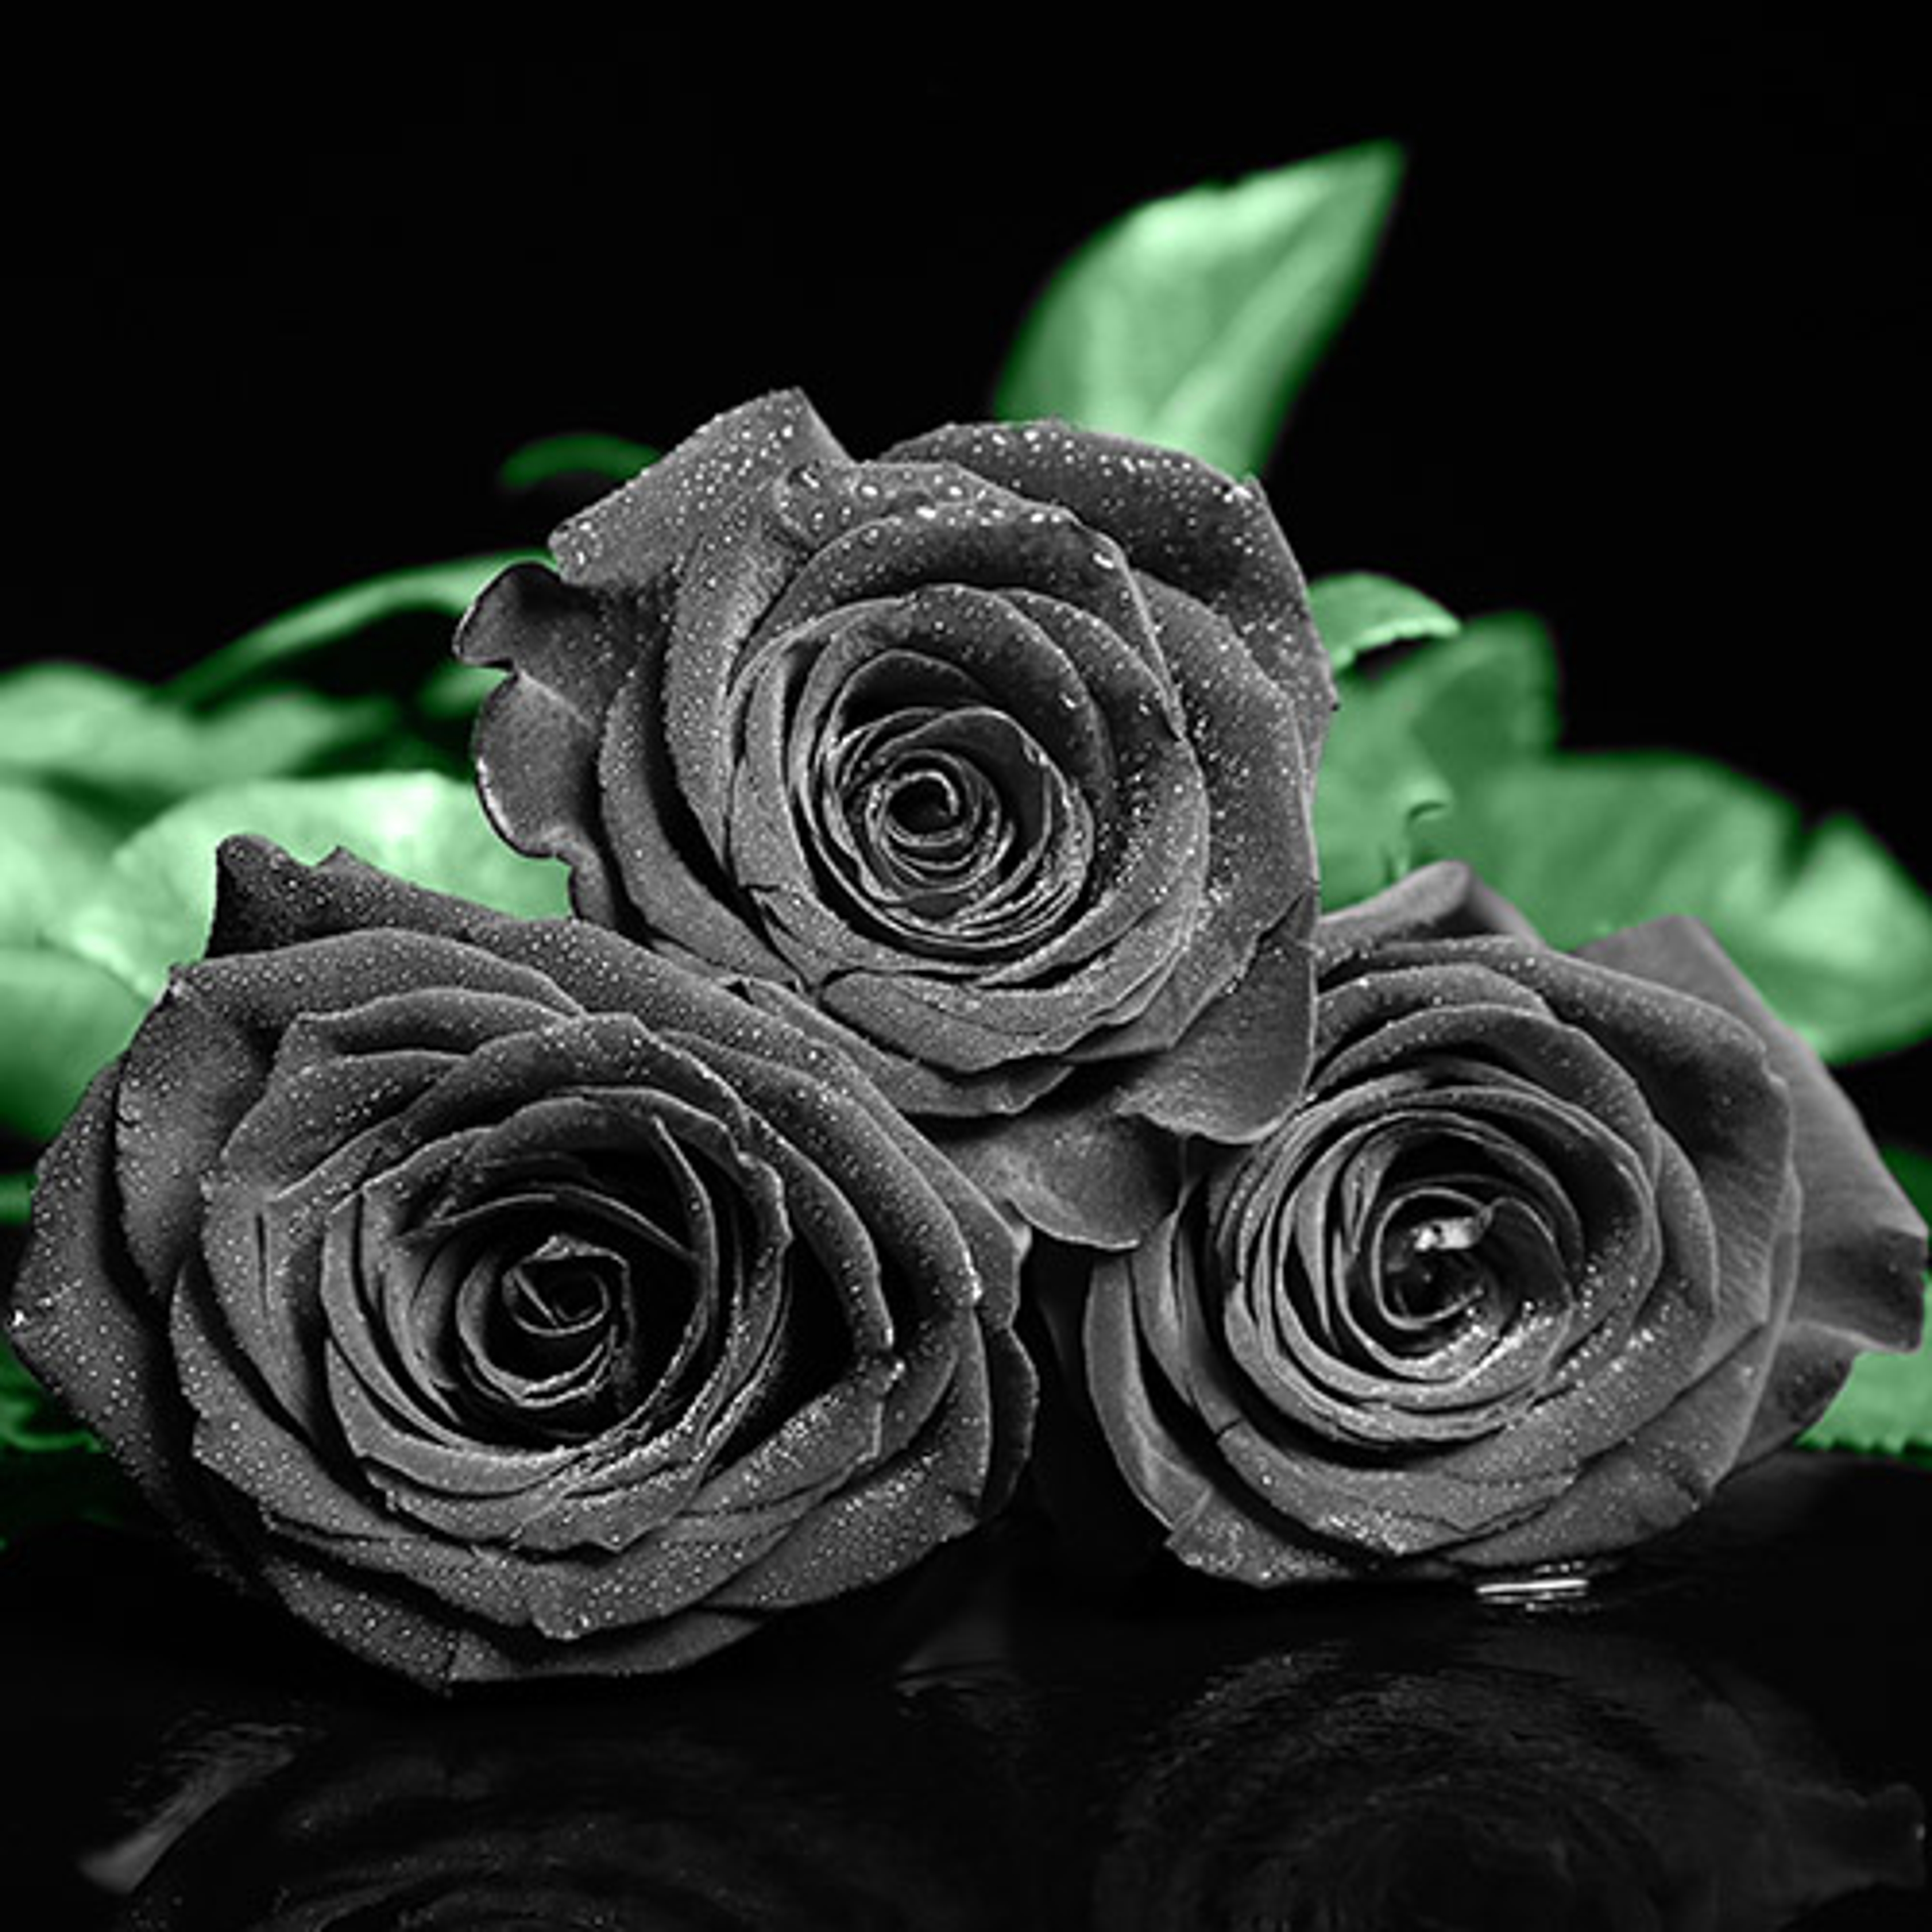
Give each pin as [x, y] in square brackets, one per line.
[536, 739]
[389, 1623]
[1074, 1172]
[1178, 519]
[82, 1320]
[1261, 859]
[1444, 900]
[1234, 1073]
[1862, 1244]
[928, 1494]
[628, 537]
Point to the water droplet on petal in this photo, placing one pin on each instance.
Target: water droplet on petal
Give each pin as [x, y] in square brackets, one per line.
[1540, 1589]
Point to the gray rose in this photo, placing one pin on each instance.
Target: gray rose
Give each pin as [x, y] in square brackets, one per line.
[1553, 1243]
[507, 1301]
[990, 757]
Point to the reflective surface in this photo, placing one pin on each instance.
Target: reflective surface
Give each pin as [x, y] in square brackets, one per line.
[1732, 1731]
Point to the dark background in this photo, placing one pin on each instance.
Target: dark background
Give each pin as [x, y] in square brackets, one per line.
[1636, 355]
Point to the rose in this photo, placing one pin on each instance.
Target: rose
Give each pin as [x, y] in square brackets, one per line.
[1554, 1243]
[507, 1300]
[992, 757]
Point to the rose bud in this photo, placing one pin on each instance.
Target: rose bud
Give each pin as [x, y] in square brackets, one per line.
[505, 1301]
[1554, 1244]
[990, 757]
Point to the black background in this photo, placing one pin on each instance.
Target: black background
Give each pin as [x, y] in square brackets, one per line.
[1638, 353]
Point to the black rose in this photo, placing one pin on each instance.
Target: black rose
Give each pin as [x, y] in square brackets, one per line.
[992, 756]
[507, 1300]
[1553, 1243]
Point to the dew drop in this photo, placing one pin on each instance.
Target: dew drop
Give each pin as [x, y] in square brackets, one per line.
[1537, 1589]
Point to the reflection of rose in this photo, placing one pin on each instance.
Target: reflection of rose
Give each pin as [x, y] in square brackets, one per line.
[1553, 1244]
[508, 1299]
[784, 1812]
[993, 754]
[1514, 1778]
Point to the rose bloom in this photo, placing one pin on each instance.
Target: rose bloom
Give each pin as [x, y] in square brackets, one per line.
[507, 1301]
[1554, 1243]
[990, 757]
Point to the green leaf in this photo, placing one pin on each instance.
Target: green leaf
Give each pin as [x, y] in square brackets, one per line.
[1451, 751]
[149, 909]
[1358, 611]
[17, 1199]
[575, 452]
[286, 645]
[1885, 1406]
[1194, 320]
[1834, 932]
[49, 844]
[96, 736]
[1376, 784]
[53, 713]
[1413, 731]
[66, 1018]
[455, 692]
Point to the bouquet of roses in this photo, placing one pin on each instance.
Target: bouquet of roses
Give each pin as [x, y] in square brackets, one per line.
[996, 975]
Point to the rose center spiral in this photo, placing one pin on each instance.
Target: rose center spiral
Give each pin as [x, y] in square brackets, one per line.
[1432, 1265]
[925, 802]
[554, 1304]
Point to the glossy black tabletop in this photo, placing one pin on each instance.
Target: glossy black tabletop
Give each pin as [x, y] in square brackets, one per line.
[1732, 1730]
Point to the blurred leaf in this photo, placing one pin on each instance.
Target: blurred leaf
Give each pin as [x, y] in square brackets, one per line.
[150, 906]
[95, 735]
[1375, 783]
[1451, 751]
[1413, 730]
[571, 453]
[1885, 1406]
[456, 692]
[1483, 700]
[284, 646]
[16, 1197]
[1194, 320]
[1834, 932]
[66, 1017]
[1358, 611]
[53, 712]
[49, 846]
